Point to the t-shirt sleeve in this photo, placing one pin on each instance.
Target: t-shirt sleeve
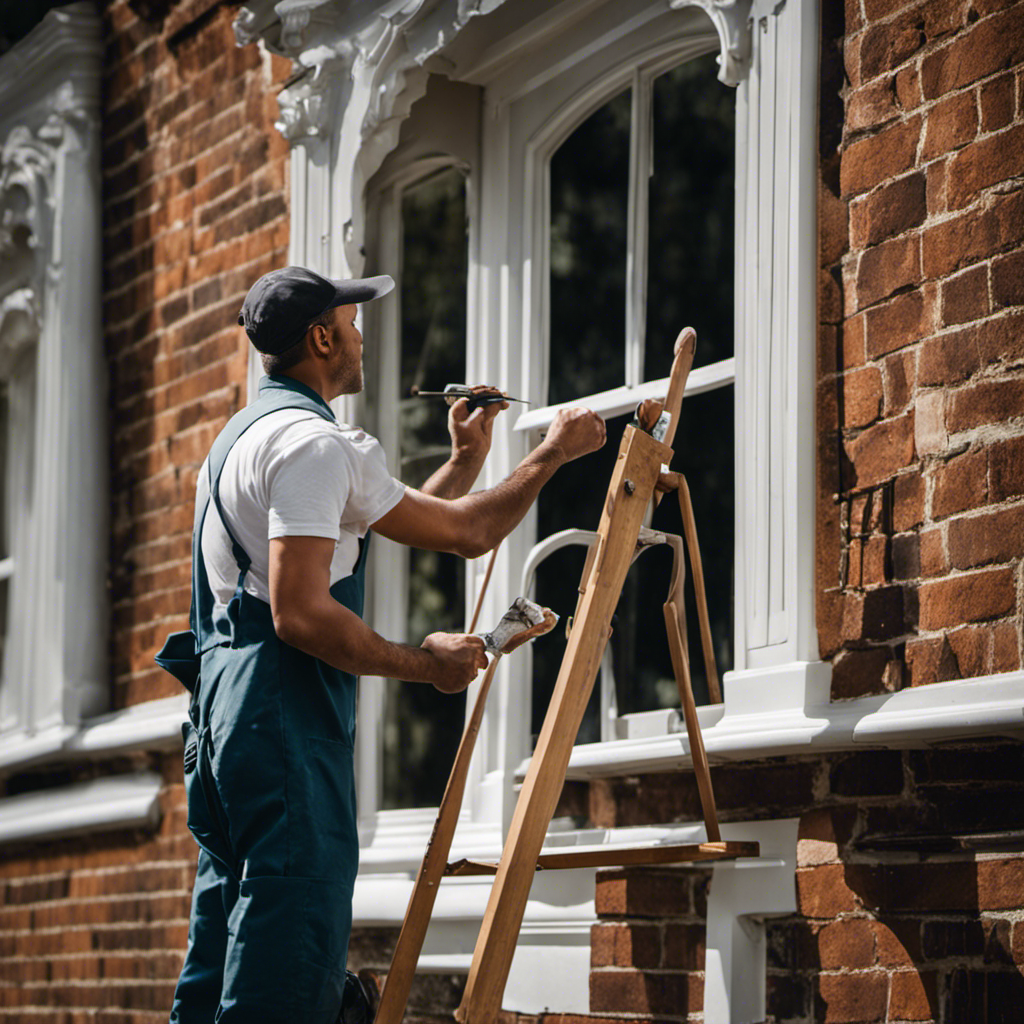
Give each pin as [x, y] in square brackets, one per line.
[377, 492]
[328, 481]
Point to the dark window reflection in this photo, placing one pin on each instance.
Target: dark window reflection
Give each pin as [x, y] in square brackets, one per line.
[691, 199]
[642, 665]
[589, 202]
[422, 727]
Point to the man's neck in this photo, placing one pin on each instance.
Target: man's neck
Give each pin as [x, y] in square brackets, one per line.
[308, 375]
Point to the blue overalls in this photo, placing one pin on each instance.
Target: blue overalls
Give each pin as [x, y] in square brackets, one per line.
[270, 789]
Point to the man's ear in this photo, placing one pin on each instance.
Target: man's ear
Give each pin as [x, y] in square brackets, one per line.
[318, 341]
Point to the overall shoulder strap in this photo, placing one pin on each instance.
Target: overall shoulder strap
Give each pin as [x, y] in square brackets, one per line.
[276, 392]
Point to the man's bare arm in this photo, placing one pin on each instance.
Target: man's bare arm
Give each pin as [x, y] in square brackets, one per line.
[307, 617]
[472, 525]
[471, 441]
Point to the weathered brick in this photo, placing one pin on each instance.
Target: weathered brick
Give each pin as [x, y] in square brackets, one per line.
[908, 501]
[863, 774]
[848, 944]
[972, 236]
[1006, 654]
[932, 552]
[908, 87]
[632, 992]
[886, 269]
[899, 322]
[988, 46]
[1008, 280]
[881, 451]
[872, 105]
[971, 648]
[862, 396]
[930, 434]
[913, 995]
[996, 99]
[877, 615]
[993, 401]
[683, 946]
[996, 536]
[889, 210]
[993, 159]
[854, 998]
[965, 297]
[870, 161]
[899, 375]
[851, 349]
[643, 893]
[822, 892]
[1007, 469]
[1000, 883]
[971, 597]
[950, 124]
[614, 944]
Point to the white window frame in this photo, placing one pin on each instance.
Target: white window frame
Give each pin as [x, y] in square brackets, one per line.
[55, 672]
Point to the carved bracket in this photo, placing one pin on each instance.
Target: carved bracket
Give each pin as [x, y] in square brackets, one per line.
[732, 22]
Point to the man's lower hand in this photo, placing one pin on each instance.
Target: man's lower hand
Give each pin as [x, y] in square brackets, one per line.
[460, 657]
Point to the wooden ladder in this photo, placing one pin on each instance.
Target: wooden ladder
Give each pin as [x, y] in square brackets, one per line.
[618, 542]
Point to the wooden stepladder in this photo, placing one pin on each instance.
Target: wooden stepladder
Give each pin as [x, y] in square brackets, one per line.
[631, 491]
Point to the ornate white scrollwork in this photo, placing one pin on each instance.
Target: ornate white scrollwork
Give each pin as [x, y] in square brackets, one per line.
[731, 19]
[26, 171]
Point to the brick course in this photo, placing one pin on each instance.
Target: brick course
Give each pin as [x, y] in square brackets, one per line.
[929, 324]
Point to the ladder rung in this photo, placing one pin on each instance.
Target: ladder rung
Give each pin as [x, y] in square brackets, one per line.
[619, 856]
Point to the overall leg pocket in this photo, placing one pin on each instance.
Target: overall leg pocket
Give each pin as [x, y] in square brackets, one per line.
[288, 940]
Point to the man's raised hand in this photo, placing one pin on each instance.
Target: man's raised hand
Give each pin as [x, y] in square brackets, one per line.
[460, 657]
[471, 431]
[574, 432]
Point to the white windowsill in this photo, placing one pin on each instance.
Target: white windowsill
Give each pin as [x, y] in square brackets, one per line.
[746, 726]
[125, 801]
[155, 725]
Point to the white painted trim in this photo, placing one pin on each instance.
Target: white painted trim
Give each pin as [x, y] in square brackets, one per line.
[551, 966]
[126, 801]
[155, 725]
[750, 727]
[621, 400]
[741, 895]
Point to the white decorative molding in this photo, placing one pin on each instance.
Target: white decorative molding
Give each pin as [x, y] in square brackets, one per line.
[127, 801]
[551, 967]
[732, 21]
[154, 725]
[751, 726]
[55, 668]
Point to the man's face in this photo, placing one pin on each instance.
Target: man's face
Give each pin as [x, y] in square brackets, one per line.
[347, 360]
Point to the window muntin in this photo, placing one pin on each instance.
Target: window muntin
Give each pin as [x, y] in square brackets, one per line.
[680, 197]
[422, 727]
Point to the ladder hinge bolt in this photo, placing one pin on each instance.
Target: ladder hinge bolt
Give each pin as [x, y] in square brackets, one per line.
[629, 486]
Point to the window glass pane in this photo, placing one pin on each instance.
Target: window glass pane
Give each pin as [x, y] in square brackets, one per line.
[691, 211]
[422, 727]
[572, 499]
[589, 186]
[642, 665]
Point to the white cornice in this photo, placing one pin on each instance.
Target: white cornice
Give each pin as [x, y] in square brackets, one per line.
[155, 725]
[127, 801]
[65, 47]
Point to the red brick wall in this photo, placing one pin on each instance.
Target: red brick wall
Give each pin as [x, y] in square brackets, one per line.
[921, 387]
[194, 185]
[195, 209]
[94, 930]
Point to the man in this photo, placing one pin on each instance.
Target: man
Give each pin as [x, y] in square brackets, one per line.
[282, 504]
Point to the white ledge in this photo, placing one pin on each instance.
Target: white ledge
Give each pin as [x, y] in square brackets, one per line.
[920, 716]
[128, 801]
[155, 725]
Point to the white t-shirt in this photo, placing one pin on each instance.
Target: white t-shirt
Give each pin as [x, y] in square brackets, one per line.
[295, 474]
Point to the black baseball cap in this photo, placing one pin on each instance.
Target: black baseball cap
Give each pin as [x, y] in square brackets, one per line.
[281, 304]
